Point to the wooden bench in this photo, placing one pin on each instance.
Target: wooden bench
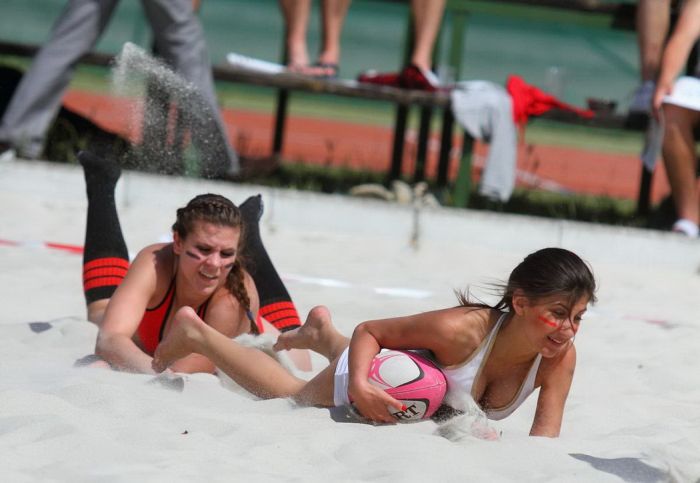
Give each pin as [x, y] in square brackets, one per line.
[404, 99]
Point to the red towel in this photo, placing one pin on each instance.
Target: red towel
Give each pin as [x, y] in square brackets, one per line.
[530, 101]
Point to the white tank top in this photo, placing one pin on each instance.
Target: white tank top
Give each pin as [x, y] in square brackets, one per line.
[461, 378]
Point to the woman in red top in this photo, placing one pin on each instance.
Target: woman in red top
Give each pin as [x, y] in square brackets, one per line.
[134, 304]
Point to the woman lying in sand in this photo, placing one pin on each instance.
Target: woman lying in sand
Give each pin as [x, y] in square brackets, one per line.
[134, 305]
[497, 354]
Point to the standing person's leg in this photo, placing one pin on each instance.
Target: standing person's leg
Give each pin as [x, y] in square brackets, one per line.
[252, 369]
[680, 161]
[105, 256]
[427, 17]
[296, 20]
[38, 95]
[652, 25]
[179, 38]
[333, 14]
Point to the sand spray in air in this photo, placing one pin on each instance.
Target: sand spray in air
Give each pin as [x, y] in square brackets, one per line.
[169, 112]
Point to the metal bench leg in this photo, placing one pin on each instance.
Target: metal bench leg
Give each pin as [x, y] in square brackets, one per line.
[399, 138]
[280, 121]
[448, 121]
[463, 184]
[426, 115]
[643, 200]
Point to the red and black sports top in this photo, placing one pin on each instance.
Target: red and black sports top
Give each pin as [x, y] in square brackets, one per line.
[152, 324]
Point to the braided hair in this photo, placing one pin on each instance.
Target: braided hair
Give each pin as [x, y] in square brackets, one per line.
[219, 210]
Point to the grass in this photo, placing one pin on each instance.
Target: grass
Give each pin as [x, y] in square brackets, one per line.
[595, 209]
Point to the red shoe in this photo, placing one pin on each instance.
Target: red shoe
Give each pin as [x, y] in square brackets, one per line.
[412, 77]
[390, 79]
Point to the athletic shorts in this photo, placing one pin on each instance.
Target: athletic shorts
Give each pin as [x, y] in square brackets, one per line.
[341, 380]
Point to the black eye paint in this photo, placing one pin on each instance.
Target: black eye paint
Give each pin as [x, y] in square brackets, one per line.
[193, 255]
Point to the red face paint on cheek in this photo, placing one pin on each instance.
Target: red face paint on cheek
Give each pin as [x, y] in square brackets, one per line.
[545, 320]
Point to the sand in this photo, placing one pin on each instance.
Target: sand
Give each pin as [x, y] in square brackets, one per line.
[633, 413]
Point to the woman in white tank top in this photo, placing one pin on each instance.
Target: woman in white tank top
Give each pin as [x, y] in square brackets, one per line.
[498, 354]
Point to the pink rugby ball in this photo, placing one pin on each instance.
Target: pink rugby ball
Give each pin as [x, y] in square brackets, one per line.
[410, 378]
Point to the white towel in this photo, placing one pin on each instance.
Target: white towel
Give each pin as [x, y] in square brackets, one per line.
[485, 110]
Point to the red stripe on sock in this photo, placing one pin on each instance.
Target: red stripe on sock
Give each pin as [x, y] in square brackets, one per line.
[289, 322]
[105, 262]
[281, 314]
[102, 282]
[270, 308]
[104, 271]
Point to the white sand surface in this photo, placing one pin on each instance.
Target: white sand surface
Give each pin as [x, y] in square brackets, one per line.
[633, 413]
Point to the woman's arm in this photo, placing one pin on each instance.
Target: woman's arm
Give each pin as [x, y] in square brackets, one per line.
[677, 49]
[124, 312]
[556, 381]
[436, 331]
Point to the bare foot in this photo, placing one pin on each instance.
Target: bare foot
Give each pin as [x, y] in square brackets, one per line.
[181, 340]
[298, 56]
[325, 67]
[319, 71]
[317, 334]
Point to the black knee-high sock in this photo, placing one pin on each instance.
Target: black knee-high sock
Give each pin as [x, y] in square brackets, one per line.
[105, 257]
[276, 305]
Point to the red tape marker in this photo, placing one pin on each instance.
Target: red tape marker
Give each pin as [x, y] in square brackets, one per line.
[76, 249]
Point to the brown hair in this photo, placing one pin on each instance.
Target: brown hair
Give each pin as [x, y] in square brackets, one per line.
[219, 210]
[546, 272]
